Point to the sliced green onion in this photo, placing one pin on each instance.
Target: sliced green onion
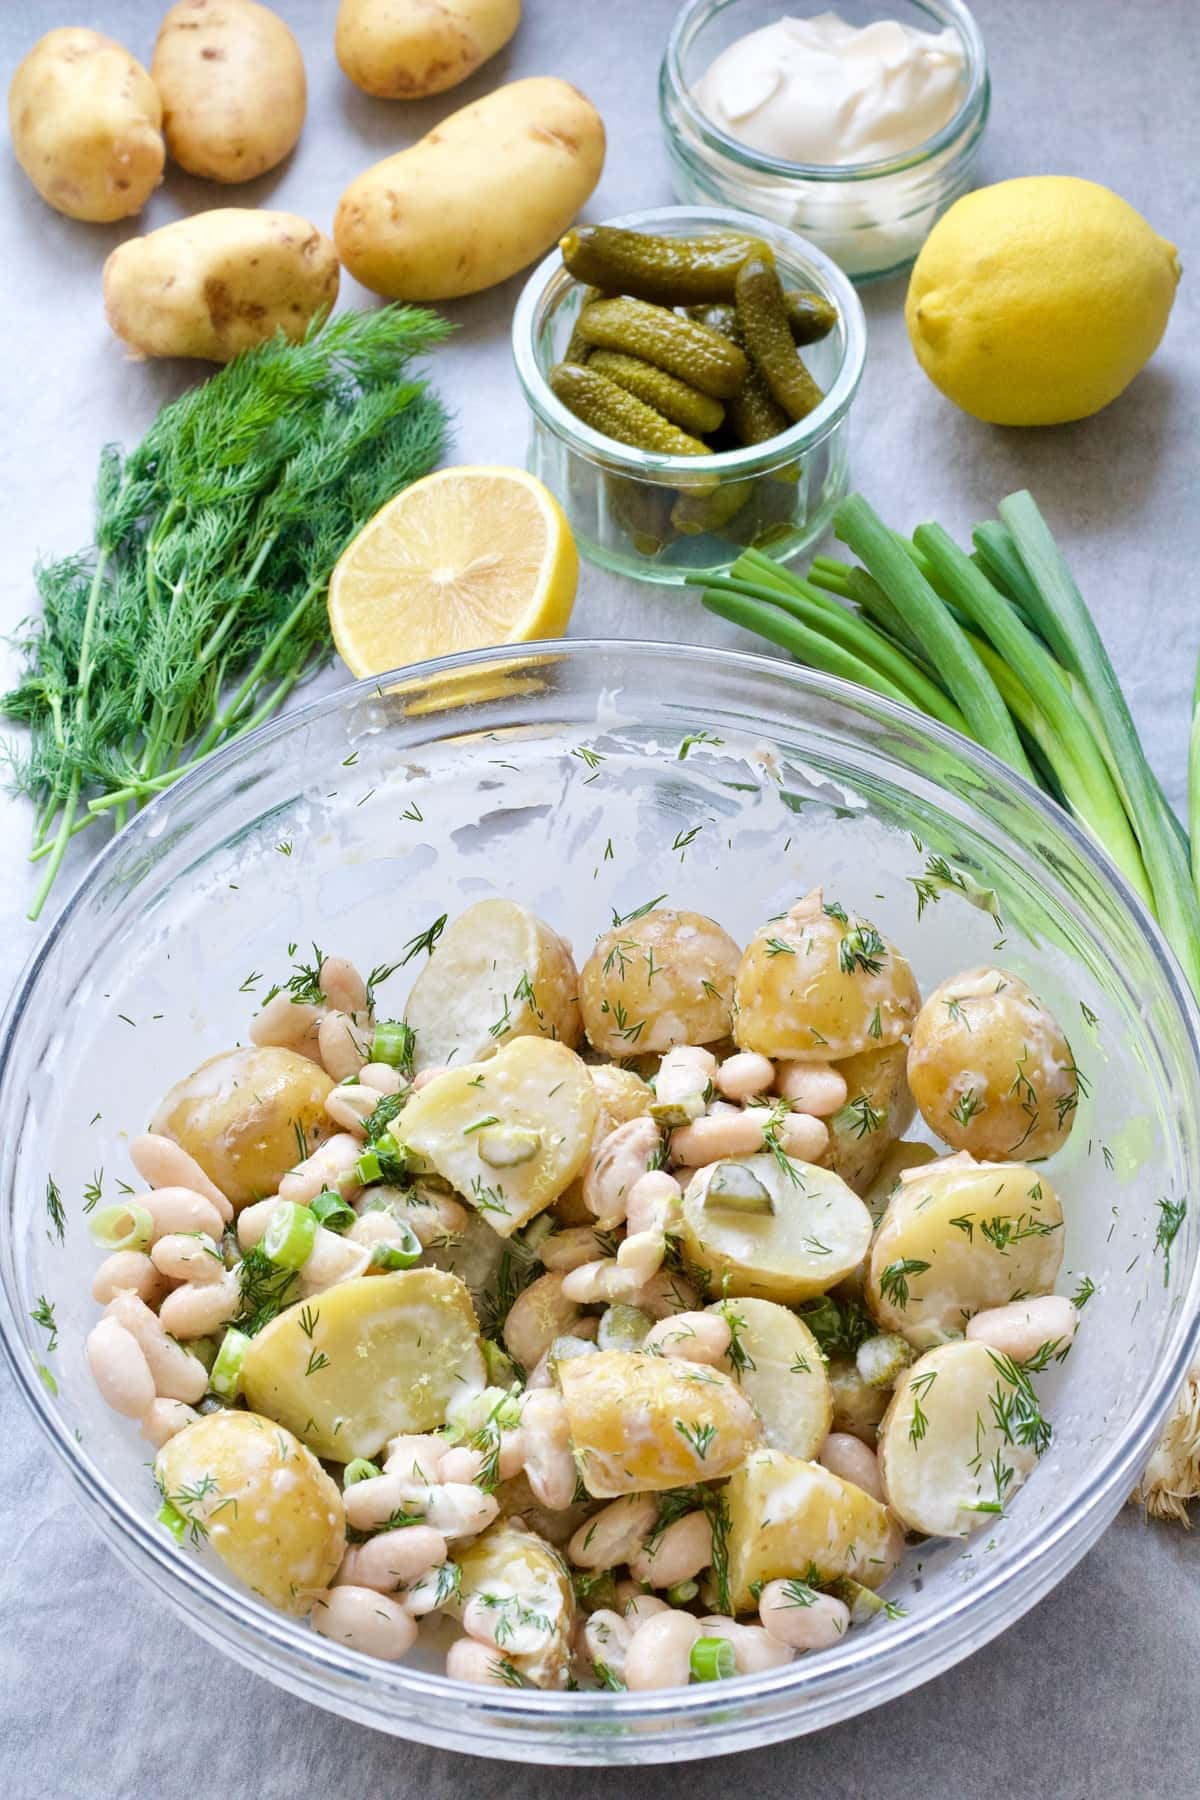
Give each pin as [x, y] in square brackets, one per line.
[393, 1043]
[682, 1593]
[360, 1470]
[331, 1211]
[398, 1255]
[225, 1376]
[173, 1519]
[498, 1365]
[122, 1227]
[369, 1166]
[712, 1659]
[290, 1235]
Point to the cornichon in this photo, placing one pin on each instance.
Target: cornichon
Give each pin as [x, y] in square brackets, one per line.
[810, 316]
[577, 351]
[753, 412]
[670, 270]
[606, 407]
[683, 347]
[674, 399]
[763, 323]
[694, 514]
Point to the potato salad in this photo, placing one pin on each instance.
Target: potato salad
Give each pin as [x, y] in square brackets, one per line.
[598, 1326]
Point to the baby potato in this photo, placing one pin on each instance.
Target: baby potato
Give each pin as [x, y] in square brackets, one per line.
[857, 1407]
[408, 49]
[961, 1434]
[665, 978]
[878, 1108]
[788, 1516]
[990, 1068]
[898, 1159]
[396, 1350]
[622, 1094]
[498, 972]
[509, 1134]
[85, 119]
[483, 195]
[779, 1367]
[814, 1233]
[231, 79]
[958, 1237]
[218, 283]
[640, 1422]
[240, 1115]
[821, 984]
[530, 1597]
[261, 1499]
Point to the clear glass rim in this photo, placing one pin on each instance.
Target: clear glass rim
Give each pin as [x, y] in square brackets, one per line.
[551, 278]
[969, 118]
[913, 1650]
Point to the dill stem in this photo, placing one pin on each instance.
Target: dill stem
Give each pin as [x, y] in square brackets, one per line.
[44, 850]
[229, 713]
[223, 629]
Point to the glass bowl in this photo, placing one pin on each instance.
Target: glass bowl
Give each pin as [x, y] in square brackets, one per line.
[620, 500]
[870, 217]
[581, 778]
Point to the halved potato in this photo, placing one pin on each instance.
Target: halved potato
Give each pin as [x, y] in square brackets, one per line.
[367, 1360]
[779, 1367]
[261, 1499]
[243, 1115]
[788, 1517]
[498, 972]
[960, 1436]
[509, 1134]
[878, 1108]
[817, 1233]
[664, 978]
[524, 1579]
[898, 1158]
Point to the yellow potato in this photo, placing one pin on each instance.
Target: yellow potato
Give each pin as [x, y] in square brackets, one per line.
[959, 1237]
[231, 79]
[665, 978]
[498, 972]
[261, 1499]
[242, 1115]
[509, 1134]
[788, 1517]
[878, 1108]
[366, 1360]
[818, 1232]
[85, 119]
[991, 1069]
[622, 1094]
[526, 1580]
[821, 984]
[857, 1408]
[961, 1434]
[778, 1365]
[644, 1423]
[218, 283]
[407, 49]
[898, 1158]
[483, 195]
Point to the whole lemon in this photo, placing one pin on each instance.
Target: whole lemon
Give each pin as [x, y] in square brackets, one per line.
[1037, 301]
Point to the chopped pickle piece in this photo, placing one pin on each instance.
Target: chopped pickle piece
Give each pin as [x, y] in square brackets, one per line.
[732, 1187]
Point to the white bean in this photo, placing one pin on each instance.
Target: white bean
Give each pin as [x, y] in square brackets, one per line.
[331, 1259]
[165, 1419]
[817, 1087]
[344, 1047]
[659, 1655]
[653, 1203]
[676, 1554]
[813, 1627]
[753, 1648]
[742, 1076]
[331, 1166]
[595, 1282]
[467, 1660]
[179, 1209]
[641, 1255]
[288, 1025]
[613, 1168]
[120, 1369]
[699, 1337]
[615, 1533]
[540, 1313]
[161, 1162]
[1020, 1329]
[606, 1639]
[184, 1257]
[850, 1459]
[425, 1076]
[569, 1249]
[177, 1374]
[364, 1620]
[253, 1220]
[415, 1458]
[342, 985]
[549, 1464]
[664, 1295]
[392, 1559]
[197, 1308]
[434, 1217]
[639, 1607]
[685, 1075]
[461, 1464]
[351, 1106]
[458, 1510]
[382, 1077]
[130, 1270]
[804, 1137]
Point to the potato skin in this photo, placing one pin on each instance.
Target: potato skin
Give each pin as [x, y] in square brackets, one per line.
[237, 1115]
[219, 283]
[484, 194]
[642, 1423]
[875, 1079]
[409, 49]
[663, 979]
[86, 121]
[231, 79]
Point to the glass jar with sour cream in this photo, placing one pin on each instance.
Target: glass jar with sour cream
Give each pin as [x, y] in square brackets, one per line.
[856, 129]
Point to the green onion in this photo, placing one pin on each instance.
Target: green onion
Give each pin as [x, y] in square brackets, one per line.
[393, 1043]
[359, 1469]
[370, 1165]
[290, 1235]
[398, 1255]
[173, 1519]
[225, 1376]
[712, 1659]
[809, 646]
[331, 1211]
[683, 1592]
[122, 1227]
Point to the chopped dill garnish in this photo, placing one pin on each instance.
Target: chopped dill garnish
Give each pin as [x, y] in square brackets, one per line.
[424, 941]
[43, 1314]
[55, 1210]
[893, 1282]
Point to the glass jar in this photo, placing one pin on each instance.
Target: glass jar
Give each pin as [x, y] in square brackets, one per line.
[870, 217]
[645, 515]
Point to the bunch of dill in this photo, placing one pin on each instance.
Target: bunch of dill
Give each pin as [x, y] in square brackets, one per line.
[201, 602]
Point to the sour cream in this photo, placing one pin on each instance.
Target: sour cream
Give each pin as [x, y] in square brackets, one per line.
[821, 91]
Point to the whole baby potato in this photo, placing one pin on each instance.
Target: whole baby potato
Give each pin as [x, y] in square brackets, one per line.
[878, 1108]
[219, 283]
[487, 192]
[231, 79]
[242, 1115]
[408, 49]
[662, 979]
[85, 119]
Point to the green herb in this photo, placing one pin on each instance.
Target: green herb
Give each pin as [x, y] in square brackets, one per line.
[1001, 1232]
[698, 737]
[699, 1437]
[893, 1282]
[776, 947]
[265, 1290]
[55, 1211]
[389, 1108]
[1083, 1292]
[838, 1326]
[966, 1107]
[740, 1358]
[858, 1116]
[862, 948]
[424, 941]
[1015, 1406]
[676, 1504]
[639, 912]
[919, 1389]
[1171, 1214]
[43, 1314]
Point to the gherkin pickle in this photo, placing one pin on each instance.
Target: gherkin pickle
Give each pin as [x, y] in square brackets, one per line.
[606, 407]
[683, 347]
[763, 321]
[667, 269]
[674, 399]
[810, 316]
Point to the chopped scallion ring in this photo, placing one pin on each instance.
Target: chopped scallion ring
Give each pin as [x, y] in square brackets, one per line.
[173, 1519]
[122, 1227]
[290, 1235]
[369, 1166]
[393, 1043]
[401, 1253]
[331, 1211]
[225, 1376]
[712, 1659]
[682, 1592]
[360, 1470]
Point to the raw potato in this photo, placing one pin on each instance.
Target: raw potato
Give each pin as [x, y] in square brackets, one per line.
[483, 195]
[219, 283]
[261, 1499]
[498, 972]
[666, 978]
[981, 1233]
[408, 49]
[540, 1099]
[643, 1423]
[398, 1349]
[820, 984]
[788, 1516]
[784, 1377]
[991, 1069]
[942, 1452]
[231, 79]
[516, 1566]
[238, 1114]
[85, 119]
[818, 1232]
[878, 1108]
